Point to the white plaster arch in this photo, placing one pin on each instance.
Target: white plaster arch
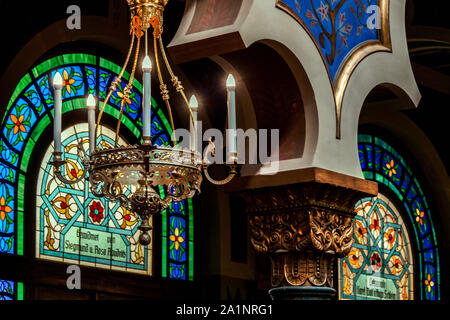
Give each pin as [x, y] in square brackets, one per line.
[262, 21]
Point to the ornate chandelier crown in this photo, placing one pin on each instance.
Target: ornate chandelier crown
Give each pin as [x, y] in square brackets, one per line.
[146, 13]
[133, 175]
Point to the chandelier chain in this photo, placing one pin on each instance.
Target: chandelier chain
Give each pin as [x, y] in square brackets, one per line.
[127, 90]
[113, 87]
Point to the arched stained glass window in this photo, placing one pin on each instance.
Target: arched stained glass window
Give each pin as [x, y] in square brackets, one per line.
[30, 112]
[380, 264]
[75, 226]
[380, 162]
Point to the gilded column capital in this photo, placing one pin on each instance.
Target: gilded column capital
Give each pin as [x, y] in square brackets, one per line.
[303, 228]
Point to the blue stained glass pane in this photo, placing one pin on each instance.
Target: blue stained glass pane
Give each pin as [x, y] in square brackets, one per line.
[412, 193]
[427, 242]
[91, 77]
[162, 140]
[429, 256]
[177, 208]
[131, 103]
[7, 173]
[177, 238]
[32, 95]
[7, 291]
[18, 124]
[8, 155]
[7, 245]
[430, 282]
[177, 271]
[103, 83]
[391, 169]
[157, 128]
[369, 151]
[362, 158]
[44, 86]
[7, 218]
[73, 85]
[377, 159]
[405, 184]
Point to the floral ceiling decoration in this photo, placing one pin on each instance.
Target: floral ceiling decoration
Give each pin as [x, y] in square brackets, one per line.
[343, 33]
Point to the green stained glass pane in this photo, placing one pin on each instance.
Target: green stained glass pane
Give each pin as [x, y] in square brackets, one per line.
[108, 65]
[164, 237]
[368, 175]
[125, 120]
[79, 58]
[21, 194]
[47, 65]
[418, 186]
[165, 121]
[75, 104]
[191, 238]
[20, 291]
[40, 127]
[364, 138]
[394, 188]
[379, 178]
[27, 154]
[20, 233]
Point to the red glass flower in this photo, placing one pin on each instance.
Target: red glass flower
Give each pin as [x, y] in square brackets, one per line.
[96, 212]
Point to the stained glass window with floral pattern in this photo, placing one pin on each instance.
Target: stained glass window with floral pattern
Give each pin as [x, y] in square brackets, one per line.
[74, 225]
[30, 111]
[380, 264]
[382, 163]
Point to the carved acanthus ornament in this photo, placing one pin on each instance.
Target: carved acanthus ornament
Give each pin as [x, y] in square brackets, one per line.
[303, 228]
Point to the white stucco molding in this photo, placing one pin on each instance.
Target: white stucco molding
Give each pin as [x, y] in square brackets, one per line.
[262, 21]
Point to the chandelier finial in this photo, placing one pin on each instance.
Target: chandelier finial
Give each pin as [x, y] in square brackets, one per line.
[146, 13]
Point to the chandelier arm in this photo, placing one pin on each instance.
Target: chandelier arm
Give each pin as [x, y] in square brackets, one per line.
[228, 179]
[164, 91]
[211, 149]
[57, 163]
[59, 175]
[127, 91]
[113, 87]
[176, 82]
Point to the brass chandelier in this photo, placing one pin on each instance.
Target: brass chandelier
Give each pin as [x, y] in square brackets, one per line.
[133, 174]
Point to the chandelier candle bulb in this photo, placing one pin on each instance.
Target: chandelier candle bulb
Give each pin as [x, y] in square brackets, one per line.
[231, 89]
[193, 104]
[57, 121]
[147, 68]
[91, 104]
